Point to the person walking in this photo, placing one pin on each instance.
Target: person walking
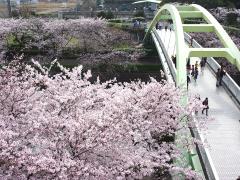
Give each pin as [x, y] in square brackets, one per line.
[166, 28]
[174, 59]
[196, 64]
[222, 73]
[192, 73]
[188, 81]
[218, 77]
[203, 63]
[196, 74]
[206, 107]
[135, 24]
[188, 66]
[191, 42]
[159, 25]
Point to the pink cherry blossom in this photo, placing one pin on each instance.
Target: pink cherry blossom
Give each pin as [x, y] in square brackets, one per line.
[64, 127]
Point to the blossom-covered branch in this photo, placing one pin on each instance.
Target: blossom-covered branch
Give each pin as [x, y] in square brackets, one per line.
[64, 127]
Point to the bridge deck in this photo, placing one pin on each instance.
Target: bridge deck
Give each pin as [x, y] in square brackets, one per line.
[223, 134]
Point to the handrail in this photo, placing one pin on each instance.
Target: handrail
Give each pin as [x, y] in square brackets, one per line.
[163, 58]
[166, 55]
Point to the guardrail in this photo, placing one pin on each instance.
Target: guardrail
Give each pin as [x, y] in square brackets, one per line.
[164, 61]
[228, 82]
[168, 60]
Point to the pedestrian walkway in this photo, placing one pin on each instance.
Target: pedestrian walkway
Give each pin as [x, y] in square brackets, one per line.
[223, 134]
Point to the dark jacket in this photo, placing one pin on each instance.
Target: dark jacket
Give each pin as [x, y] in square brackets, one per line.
[222, 73]
[205, 102]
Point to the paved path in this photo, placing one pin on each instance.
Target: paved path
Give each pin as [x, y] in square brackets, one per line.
[223, 133]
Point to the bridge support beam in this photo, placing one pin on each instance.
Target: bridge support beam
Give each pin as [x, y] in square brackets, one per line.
[198, 28]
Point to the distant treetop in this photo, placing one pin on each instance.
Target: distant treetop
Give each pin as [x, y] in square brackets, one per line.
[210, 4]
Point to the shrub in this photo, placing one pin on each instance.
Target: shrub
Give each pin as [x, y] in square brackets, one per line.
[105, 15]
[139, 14]
[115, 20]
[101, 14]
[232, 18]
[138, 19]
[109, 15]
[65, 127]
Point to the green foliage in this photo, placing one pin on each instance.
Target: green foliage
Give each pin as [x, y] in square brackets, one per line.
[105, 15]
[231, 5]
[23, 13]
[138, 19]
[109, 15]
[78, 7]
[123, 46]
[101, 14]
[123, 26]
[115, 20]
[210, 3]
[232, 18]
[139, 14]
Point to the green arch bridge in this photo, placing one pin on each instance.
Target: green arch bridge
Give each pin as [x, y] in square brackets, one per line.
[223, 161]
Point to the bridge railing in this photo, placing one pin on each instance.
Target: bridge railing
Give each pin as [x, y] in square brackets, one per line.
[168, 59]
[162, 55]
[228, 82]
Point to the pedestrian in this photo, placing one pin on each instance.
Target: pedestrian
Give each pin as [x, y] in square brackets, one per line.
[156, 26]
[188, 81]
[191, 42]
[135, 24]
[139, 24]
[188, 62]
[196, 64]
[192, 73]
[196, 74]
[174, 59]
[188, 70]
[206, 107]
[203, 63]
[166, 28]
[159, 26]
[188, 66]
[218, 77]
[222, 73]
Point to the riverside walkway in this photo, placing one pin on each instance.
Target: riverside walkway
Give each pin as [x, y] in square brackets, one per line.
[223, 134]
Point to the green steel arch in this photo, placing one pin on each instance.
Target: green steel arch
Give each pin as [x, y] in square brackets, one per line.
[177, 14]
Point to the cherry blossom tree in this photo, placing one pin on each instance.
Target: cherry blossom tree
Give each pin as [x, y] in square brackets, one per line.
[51, 36]
[64, 127]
